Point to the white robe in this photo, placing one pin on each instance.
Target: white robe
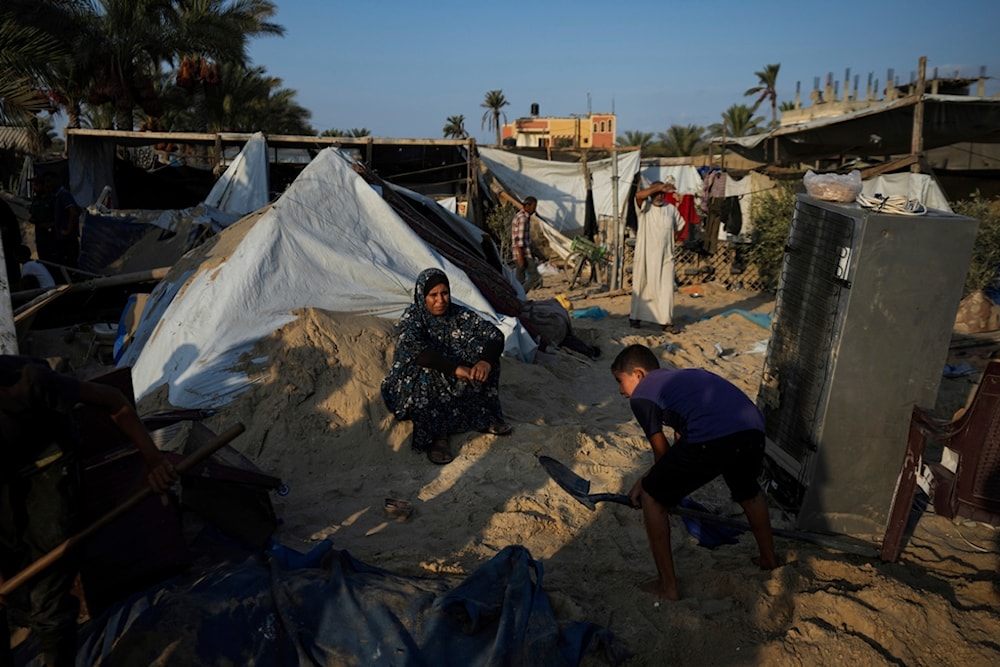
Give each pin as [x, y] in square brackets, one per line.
[653, 266]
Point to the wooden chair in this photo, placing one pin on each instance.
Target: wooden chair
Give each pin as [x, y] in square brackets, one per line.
[972, 491]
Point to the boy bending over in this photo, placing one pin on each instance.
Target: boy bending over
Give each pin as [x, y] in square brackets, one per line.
[718, 431]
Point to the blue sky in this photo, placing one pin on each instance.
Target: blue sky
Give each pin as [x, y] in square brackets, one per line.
[401, 68]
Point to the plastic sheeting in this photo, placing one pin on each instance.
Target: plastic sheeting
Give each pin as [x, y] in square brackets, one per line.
[243, 187]
[921, 187]
[329, 242]
[91, 169]
[256, 613]
[687, 180]
[561, 188]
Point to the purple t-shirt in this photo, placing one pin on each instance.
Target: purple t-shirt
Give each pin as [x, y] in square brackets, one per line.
[698, 404]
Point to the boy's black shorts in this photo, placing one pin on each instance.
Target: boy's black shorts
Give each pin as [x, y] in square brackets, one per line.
[688, 466]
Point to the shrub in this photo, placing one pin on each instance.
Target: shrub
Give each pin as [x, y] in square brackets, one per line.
[498, 219]
[771, 213]
[983, 265]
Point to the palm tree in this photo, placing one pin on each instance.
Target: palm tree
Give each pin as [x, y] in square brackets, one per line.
[494, 104]
[29, 52]
[682, 141]
[244, 100]
[134, 37]
[103, 58]
[454, 127]
[355, 133]
[767, 80]
[737, 121]
[220, 29]
[635, 138]
[123, 45]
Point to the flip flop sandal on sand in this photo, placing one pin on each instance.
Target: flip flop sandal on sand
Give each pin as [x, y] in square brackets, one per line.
[439, 453]
[502, 428]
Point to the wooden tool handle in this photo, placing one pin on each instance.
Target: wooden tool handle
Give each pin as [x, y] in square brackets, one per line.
[34, 568]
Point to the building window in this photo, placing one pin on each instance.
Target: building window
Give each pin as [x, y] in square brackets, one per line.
[602, 126]
[595, 126]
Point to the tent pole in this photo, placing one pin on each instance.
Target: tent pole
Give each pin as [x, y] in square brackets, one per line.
[616, 267]
[917, 141]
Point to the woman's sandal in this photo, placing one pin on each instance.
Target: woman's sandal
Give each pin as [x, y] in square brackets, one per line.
[439, 452]
[501, 428]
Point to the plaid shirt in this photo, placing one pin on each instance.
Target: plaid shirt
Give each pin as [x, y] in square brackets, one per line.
[520, 232]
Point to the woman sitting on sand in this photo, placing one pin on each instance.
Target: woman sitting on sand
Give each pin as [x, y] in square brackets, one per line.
[445, 374]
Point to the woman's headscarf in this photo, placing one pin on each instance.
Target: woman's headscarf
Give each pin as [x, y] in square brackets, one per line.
[426, 281]
[456, 333]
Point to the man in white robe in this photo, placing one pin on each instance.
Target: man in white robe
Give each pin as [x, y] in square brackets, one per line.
[653, 266]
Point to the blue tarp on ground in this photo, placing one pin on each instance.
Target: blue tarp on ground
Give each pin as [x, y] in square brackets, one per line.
[255, 612]
[760, 319]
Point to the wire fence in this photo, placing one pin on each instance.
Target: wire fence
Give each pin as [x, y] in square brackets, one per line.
[728, 265]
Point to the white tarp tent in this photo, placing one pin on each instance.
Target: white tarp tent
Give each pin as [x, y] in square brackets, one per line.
[329, 242]
[243, 188]
[687, 180]
[561, 189]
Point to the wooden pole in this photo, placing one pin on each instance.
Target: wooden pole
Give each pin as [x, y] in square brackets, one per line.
[51, 557]
[917, 142]
[107, 281]
[8, 334]
[618, 266]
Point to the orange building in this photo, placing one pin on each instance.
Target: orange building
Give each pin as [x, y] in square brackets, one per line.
[592, 130]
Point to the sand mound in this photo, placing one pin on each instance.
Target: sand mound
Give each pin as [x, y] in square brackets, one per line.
[316, 420]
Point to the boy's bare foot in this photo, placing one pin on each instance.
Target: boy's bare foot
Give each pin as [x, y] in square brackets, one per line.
[656, 588]
[766, 564]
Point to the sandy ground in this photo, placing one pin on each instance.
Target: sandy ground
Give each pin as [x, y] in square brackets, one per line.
[319, 424]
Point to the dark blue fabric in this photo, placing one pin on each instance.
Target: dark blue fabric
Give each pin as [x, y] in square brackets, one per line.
[106, 238]
[708, 533]
[256, 612]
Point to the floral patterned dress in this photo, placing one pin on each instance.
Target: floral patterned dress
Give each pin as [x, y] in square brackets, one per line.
[438, 403]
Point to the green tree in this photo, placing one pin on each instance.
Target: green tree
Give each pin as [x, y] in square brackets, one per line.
[766, 90]
[635, 138]
[982, 272]
[494, 104]
[355, 133]
[454, 127]
[244, 100]
[682, 140]
[220, 29]
[771, 212]
[121, 48]
[30, 52]
[737, 121]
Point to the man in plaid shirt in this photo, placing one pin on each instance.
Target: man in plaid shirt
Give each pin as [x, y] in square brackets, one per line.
[520, 234]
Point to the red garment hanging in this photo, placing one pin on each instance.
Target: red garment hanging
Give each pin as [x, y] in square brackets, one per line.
[686, 207]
